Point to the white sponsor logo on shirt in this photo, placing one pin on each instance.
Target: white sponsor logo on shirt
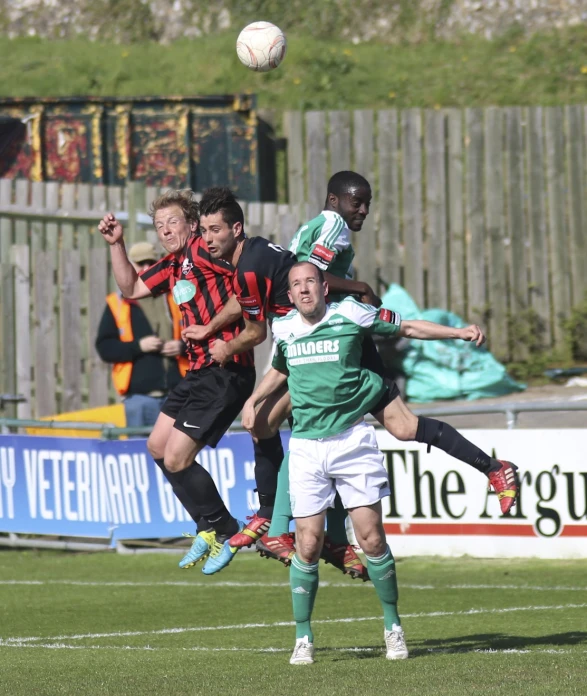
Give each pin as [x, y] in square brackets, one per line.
[313, 348]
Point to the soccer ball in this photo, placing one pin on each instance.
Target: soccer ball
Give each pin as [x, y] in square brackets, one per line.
[261, 46]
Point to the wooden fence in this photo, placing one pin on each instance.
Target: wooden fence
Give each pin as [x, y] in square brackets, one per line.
[55, 275]
[478, 211]
[481, 211]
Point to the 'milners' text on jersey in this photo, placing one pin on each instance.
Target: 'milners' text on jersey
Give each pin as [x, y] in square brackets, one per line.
[260, 281]
[325, 241]
[329, 389]
[213, 282]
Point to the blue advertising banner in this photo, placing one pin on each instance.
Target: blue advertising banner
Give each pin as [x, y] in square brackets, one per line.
[110, 489]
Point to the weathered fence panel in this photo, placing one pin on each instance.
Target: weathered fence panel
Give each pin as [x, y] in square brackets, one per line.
[559, 255]
[365, 241]
[494, 221]
[413, 226]
[540, 297]
[390, 247]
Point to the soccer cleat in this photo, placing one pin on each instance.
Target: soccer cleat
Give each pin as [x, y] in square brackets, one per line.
[221, 554]
[344, 557]
[506, 483]
[199, 550]
[303, 653]
[254, 530]
[281, 548]
[395, 643]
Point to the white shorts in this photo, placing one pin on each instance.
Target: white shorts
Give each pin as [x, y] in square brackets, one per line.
[349, 463]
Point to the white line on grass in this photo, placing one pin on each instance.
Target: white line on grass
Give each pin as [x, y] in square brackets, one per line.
[228, 583]
[277, 624]
[417, 651]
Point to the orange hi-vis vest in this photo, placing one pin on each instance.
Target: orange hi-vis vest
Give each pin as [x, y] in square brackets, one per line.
[120, 308]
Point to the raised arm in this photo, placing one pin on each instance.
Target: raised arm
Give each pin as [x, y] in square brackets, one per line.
[428, 330]
[127, 279]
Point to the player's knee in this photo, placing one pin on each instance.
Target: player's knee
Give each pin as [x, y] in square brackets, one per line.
[156, 447]
[174, 462]
[372, 541]
[403, 428]
[308, 545]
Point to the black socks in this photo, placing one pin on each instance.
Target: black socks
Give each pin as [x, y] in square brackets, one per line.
[436, 433]
[201, 492]
[183, 497]
[268, 458]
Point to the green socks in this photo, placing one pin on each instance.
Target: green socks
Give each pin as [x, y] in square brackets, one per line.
[282, 515]
[303, 579]
[382, 574]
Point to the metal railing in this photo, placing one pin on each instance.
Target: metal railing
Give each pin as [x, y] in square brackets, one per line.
[511, 411]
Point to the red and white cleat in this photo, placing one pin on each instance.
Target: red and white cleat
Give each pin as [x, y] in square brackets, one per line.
[251, 533]
[281, 548]
[344, 557]
[506, 483]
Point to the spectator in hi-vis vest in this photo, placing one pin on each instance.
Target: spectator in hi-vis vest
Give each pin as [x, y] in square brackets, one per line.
[142, 341]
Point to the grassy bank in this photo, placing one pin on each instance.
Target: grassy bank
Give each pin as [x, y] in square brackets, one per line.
[543, 69]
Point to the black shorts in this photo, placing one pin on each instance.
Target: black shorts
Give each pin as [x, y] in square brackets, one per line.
[206, 402]
[371, 360]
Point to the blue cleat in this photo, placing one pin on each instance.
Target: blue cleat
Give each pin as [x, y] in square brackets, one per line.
[221, 554]
[200, 548]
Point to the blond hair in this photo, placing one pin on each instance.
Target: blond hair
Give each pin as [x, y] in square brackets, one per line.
[184, 198]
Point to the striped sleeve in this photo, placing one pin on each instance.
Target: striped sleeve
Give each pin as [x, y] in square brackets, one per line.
[158, 276]
[252, 292]
[333, 237]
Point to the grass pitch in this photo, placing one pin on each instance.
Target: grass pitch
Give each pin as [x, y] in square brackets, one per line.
[110, 624]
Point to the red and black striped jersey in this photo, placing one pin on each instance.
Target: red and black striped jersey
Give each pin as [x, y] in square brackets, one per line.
[213, 282]
[260, 281]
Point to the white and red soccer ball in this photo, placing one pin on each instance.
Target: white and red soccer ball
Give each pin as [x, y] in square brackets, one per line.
[261, 46]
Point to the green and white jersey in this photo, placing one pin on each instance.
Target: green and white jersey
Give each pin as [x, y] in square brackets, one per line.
[329, 389]
[326, 242]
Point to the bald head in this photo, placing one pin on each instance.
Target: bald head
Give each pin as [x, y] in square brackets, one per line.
[307, 267]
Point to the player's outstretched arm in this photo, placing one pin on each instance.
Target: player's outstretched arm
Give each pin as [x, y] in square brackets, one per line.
[428, 330]
[270, 383]
[231, 312]
[127, 279]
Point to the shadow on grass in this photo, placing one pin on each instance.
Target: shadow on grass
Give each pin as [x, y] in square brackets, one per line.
[498, 641]
[460, 644]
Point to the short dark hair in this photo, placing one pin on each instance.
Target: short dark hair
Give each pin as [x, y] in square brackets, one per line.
[220, 199]
[341, 182]
[307, 263]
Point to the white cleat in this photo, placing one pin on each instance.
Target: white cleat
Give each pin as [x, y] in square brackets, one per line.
[303, 653]
[395, 642]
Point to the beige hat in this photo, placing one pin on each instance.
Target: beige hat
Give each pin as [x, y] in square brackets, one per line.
[142, 251]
